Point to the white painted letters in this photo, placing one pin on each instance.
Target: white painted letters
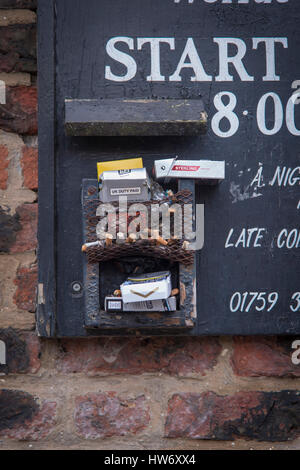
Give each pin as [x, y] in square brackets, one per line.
[270, 56]
[289, 239]
[195, 63]
[286, 176]
[122, 58]
[236, 60]
[248, 238]
[155, 75]
[191, 58]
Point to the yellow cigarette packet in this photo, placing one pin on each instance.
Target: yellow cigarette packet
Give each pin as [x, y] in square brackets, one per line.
[115, 165]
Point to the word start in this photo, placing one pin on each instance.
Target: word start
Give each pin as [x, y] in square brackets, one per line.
[117, 49]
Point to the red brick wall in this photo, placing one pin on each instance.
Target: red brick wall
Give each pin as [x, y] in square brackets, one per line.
[160, 393]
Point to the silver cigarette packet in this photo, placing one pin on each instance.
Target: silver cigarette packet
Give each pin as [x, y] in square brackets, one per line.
[203, 171]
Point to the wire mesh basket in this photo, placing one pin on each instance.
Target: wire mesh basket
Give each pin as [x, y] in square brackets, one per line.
[174, 249]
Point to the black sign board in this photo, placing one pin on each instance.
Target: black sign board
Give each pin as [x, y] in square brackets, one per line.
[241, 59]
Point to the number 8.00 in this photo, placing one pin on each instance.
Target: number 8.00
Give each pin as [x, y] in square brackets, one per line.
[226, 112]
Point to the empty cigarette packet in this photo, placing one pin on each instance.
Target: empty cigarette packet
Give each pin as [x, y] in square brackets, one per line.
[116, 304]
[134, 184]
[203, 171]
[152, 286]
[115, 165]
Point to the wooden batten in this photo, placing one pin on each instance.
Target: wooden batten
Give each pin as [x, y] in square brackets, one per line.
[117, 117]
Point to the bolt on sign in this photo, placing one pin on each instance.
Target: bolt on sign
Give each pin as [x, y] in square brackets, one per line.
[186, 87]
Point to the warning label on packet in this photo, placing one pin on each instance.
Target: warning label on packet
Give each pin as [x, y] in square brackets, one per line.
[124, 191]
[115, 305]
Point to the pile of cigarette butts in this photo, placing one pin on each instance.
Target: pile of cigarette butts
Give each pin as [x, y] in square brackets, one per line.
[129, 178]
[144, 293]
[150, 236]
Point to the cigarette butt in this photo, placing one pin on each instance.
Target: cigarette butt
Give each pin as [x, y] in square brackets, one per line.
[174, 292]
[185, 245]
[161, 241]
[90, 245]
[117, 293]
[172, 210]
[108, 239]
[132, 238]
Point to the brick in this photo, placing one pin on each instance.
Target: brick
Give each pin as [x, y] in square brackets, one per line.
[29, 163]
[4, 162]
[22, 418]
[15, 79]
[22, 352]
[18, 48]
[267, 357]
[18, 4]
[26, 282]
[175, 356]
[100, 415]
[9, 226]
[19, 114]
[9, 62]
[12, 62]
[26, 237]
[263, 416]
[12, 17]
[20, 39]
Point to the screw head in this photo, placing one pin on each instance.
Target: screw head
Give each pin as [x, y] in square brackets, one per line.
[76, 287]
[92, 190]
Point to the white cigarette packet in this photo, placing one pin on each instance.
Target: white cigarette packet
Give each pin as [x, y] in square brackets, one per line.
[153, 286]
[133, 184]
[116, 304]
[206, 171]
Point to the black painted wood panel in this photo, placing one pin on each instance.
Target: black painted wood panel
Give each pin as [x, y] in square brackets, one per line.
[248, 270]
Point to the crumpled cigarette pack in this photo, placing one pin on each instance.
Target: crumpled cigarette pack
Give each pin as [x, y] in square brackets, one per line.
[153, 286]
